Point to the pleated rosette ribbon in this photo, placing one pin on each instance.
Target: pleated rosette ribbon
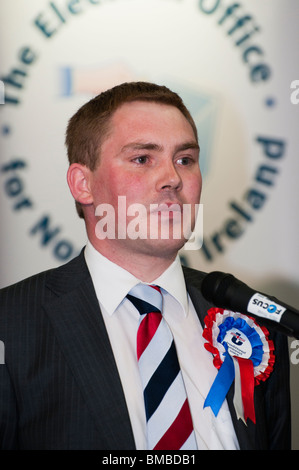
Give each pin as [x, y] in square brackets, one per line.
[242, 353]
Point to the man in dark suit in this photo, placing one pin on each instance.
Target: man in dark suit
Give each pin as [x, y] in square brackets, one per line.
[70, 378]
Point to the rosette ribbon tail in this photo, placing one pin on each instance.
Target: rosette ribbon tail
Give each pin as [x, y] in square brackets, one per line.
[244, 389]
[221, 385]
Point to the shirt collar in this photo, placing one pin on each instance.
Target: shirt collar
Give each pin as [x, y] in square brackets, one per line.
[173, 281]
[106, 275]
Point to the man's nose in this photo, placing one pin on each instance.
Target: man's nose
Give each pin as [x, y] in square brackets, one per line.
[168, 178]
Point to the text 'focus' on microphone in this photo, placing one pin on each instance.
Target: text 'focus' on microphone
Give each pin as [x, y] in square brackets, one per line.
[227, 292]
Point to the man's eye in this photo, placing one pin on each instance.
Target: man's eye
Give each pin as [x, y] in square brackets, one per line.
[184, 161]
[142, 159]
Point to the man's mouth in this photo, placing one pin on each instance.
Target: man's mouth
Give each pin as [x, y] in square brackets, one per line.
[166, 207]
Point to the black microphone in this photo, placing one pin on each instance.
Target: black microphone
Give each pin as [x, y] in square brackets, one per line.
[225, 291]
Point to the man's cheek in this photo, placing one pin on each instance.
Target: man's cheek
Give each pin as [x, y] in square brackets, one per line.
[196, 187]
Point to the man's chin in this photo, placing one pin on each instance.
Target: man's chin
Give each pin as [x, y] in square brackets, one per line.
[162, 248]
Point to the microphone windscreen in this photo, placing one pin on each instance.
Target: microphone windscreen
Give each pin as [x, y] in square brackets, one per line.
[215, 285]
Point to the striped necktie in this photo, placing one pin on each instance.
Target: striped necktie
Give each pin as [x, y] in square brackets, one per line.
[169, 422]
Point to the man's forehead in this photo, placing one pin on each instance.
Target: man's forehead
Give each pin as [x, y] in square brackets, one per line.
[145, 114]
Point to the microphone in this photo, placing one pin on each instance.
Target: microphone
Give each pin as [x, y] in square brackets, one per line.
[225, 291]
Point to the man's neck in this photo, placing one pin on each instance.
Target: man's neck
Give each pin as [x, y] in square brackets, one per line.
[144, 266]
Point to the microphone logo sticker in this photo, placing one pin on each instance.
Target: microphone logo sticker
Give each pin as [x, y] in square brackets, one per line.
[263, 307]
[272, 309]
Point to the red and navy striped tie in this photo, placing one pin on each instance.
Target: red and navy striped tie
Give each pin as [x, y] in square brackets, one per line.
[169, 422]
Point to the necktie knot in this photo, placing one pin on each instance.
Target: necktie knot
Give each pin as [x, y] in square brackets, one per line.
[146, 298]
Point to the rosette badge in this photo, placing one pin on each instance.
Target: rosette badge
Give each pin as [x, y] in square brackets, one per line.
[242, 353]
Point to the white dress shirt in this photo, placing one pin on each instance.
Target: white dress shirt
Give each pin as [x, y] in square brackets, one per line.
[112, 283]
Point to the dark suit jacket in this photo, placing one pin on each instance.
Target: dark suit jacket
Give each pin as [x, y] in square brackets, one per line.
[59, 386]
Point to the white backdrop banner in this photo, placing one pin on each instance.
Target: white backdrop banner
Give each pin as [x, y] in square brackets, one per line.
[236, 67]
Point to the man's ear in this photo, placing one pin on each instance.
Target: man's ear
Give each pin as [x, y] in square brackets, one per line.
[78, 177]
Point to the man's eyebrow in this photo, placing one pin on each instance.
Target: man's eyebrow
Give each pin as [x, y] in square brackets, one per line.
[187, 146]
[153, 146]
[141, 146]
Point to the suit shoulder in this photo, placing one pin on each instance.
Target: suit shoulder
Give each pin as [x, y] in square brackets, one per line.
[36, 280]
[193, 276]
[37, 284]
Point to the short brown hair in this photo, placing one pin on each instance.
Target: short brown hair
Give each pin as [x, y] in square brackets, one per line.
[89, 126]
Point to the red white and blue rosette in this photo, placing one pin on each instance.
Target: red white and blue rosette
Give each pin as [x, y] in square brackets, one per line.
[242, 353]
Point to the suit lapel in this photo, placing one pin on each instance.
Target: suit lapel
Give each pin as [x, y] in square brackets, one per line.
[245, 434]
[77, 321]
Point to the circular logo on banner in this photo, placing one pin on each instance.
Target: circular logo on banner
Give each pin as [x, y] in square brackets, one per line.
[211, 52]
